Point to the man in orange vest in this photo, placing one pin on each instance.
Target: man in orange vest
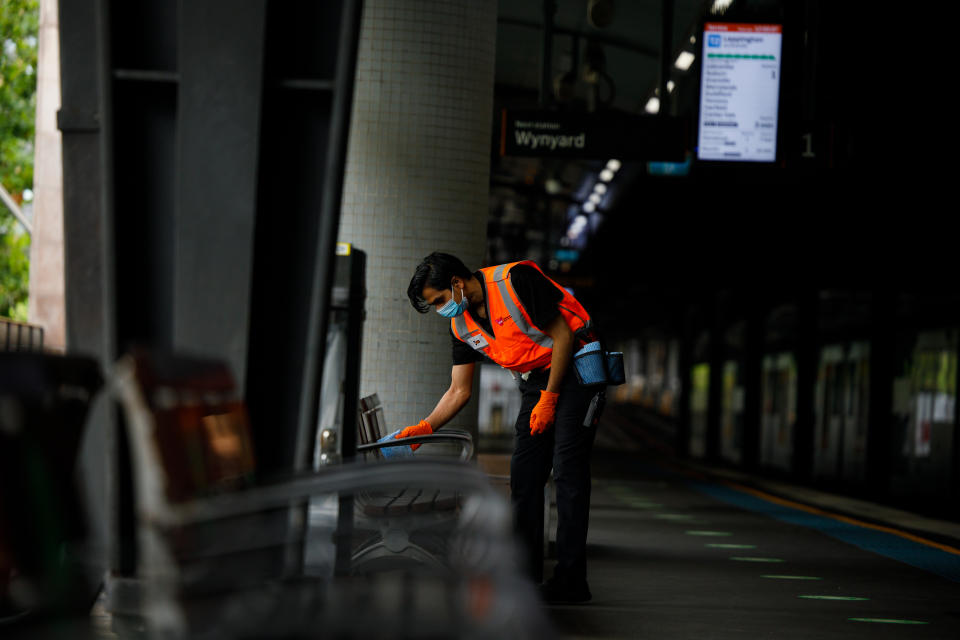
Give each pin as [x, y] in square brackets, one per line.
[517, 317]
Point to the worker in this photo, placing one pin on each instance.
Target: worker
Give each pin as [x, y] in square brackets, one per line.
[517, 317]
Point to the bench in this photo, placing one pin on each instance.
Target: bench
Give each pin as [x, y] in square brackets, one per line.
[44, 404]
[410, 521]
[371, 427]
[220, 550]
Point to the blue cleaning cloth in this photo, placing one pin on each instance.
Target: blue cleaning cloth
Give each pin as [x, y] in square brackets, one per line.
[395, 452]
[588, 348]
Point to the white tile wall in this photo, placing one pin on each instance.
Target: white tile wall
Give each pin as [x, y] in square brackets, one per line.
[416, 182]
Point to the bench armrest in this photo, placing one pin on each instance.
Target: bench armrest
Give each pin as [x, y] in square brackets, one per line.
[462, 437]
[353, 477]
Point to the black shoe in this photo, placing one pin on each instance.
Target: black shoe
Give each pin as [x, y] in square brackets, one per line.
[555, 591]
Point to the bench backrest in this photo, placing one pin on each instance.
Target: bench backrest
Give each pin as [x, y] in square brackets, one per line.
[189, 432]
[371, 425]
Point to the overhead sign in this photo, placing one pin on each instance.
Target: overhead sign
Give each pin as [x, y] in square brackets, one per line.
[599, 136]
[739, 92]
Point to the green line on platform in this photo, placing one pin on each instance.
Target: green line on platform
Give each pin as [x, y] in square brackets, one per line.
[673, 516]
[721, 545]
[782, 577]
[844, 598]
[751, 559]
[887, 621]
[709, 533]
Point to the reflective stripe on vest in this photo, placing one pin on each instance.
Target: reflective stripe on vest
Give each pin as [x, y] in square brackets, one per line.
[534, 334]
[460, 327]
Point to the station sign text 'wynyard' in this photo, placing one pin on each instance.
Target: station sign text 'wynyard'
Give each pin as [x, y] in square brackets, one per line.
[591, 135]
[545, 134]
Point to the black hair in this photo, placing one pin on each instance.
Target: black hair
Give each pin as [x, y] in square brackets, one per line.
[436, 271]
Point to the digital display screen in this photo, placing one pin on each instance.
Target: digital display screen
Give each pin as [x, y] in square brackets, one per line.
[739, 92]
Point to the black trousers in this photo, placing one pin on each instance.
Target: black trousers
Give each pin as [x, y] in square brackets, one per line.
[566, 448]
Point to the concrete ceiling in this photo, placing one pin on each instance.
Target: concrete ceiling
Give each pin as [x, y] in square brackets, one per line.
[531, 198]
[631, 43]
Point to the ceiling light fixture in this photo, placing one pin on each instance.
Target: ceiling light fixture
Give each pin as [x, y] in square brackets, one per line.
[595, 198]
[720, 6]
[614, 165]
[684, 60]
[578, 225]
[606, 175]
[653, 105]
[600, 188]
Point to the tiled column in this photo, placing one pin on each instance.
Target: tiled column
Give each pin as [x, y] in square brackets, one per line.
[46, 305]
[417, 181]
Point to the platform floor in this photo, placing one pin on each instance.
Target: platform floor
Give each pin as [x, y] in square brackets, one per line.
[680, 552]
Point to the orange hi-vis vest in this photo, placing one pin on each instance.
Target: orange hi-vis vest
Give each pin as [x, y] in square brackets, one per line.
[516, 343]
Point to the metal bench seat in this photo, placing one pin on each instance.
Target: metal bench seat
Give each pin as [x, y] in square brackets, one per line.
[223, 555]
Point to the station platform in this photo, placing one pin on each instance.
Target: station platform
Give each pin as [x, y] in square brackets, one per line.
[683, 550]
[689, 551]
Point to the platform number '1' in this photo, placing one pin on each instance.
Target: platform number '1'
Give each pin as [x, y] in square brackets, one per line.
[808, 150]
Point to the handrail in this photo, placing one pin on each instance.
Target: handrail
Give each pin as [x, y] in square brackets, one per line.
[19, 336]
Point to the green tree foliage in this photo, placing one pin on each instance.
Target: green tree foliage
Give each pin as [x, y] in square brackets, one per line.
[14, 270]
[19, 26]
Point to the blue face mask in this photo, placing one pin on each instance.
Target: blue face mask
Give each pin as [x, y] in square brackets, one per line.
[453, 309]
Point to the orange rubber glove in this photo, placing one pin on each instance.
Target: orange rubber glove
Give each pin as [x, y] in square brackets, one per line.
[543, 415]
[422, 428]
